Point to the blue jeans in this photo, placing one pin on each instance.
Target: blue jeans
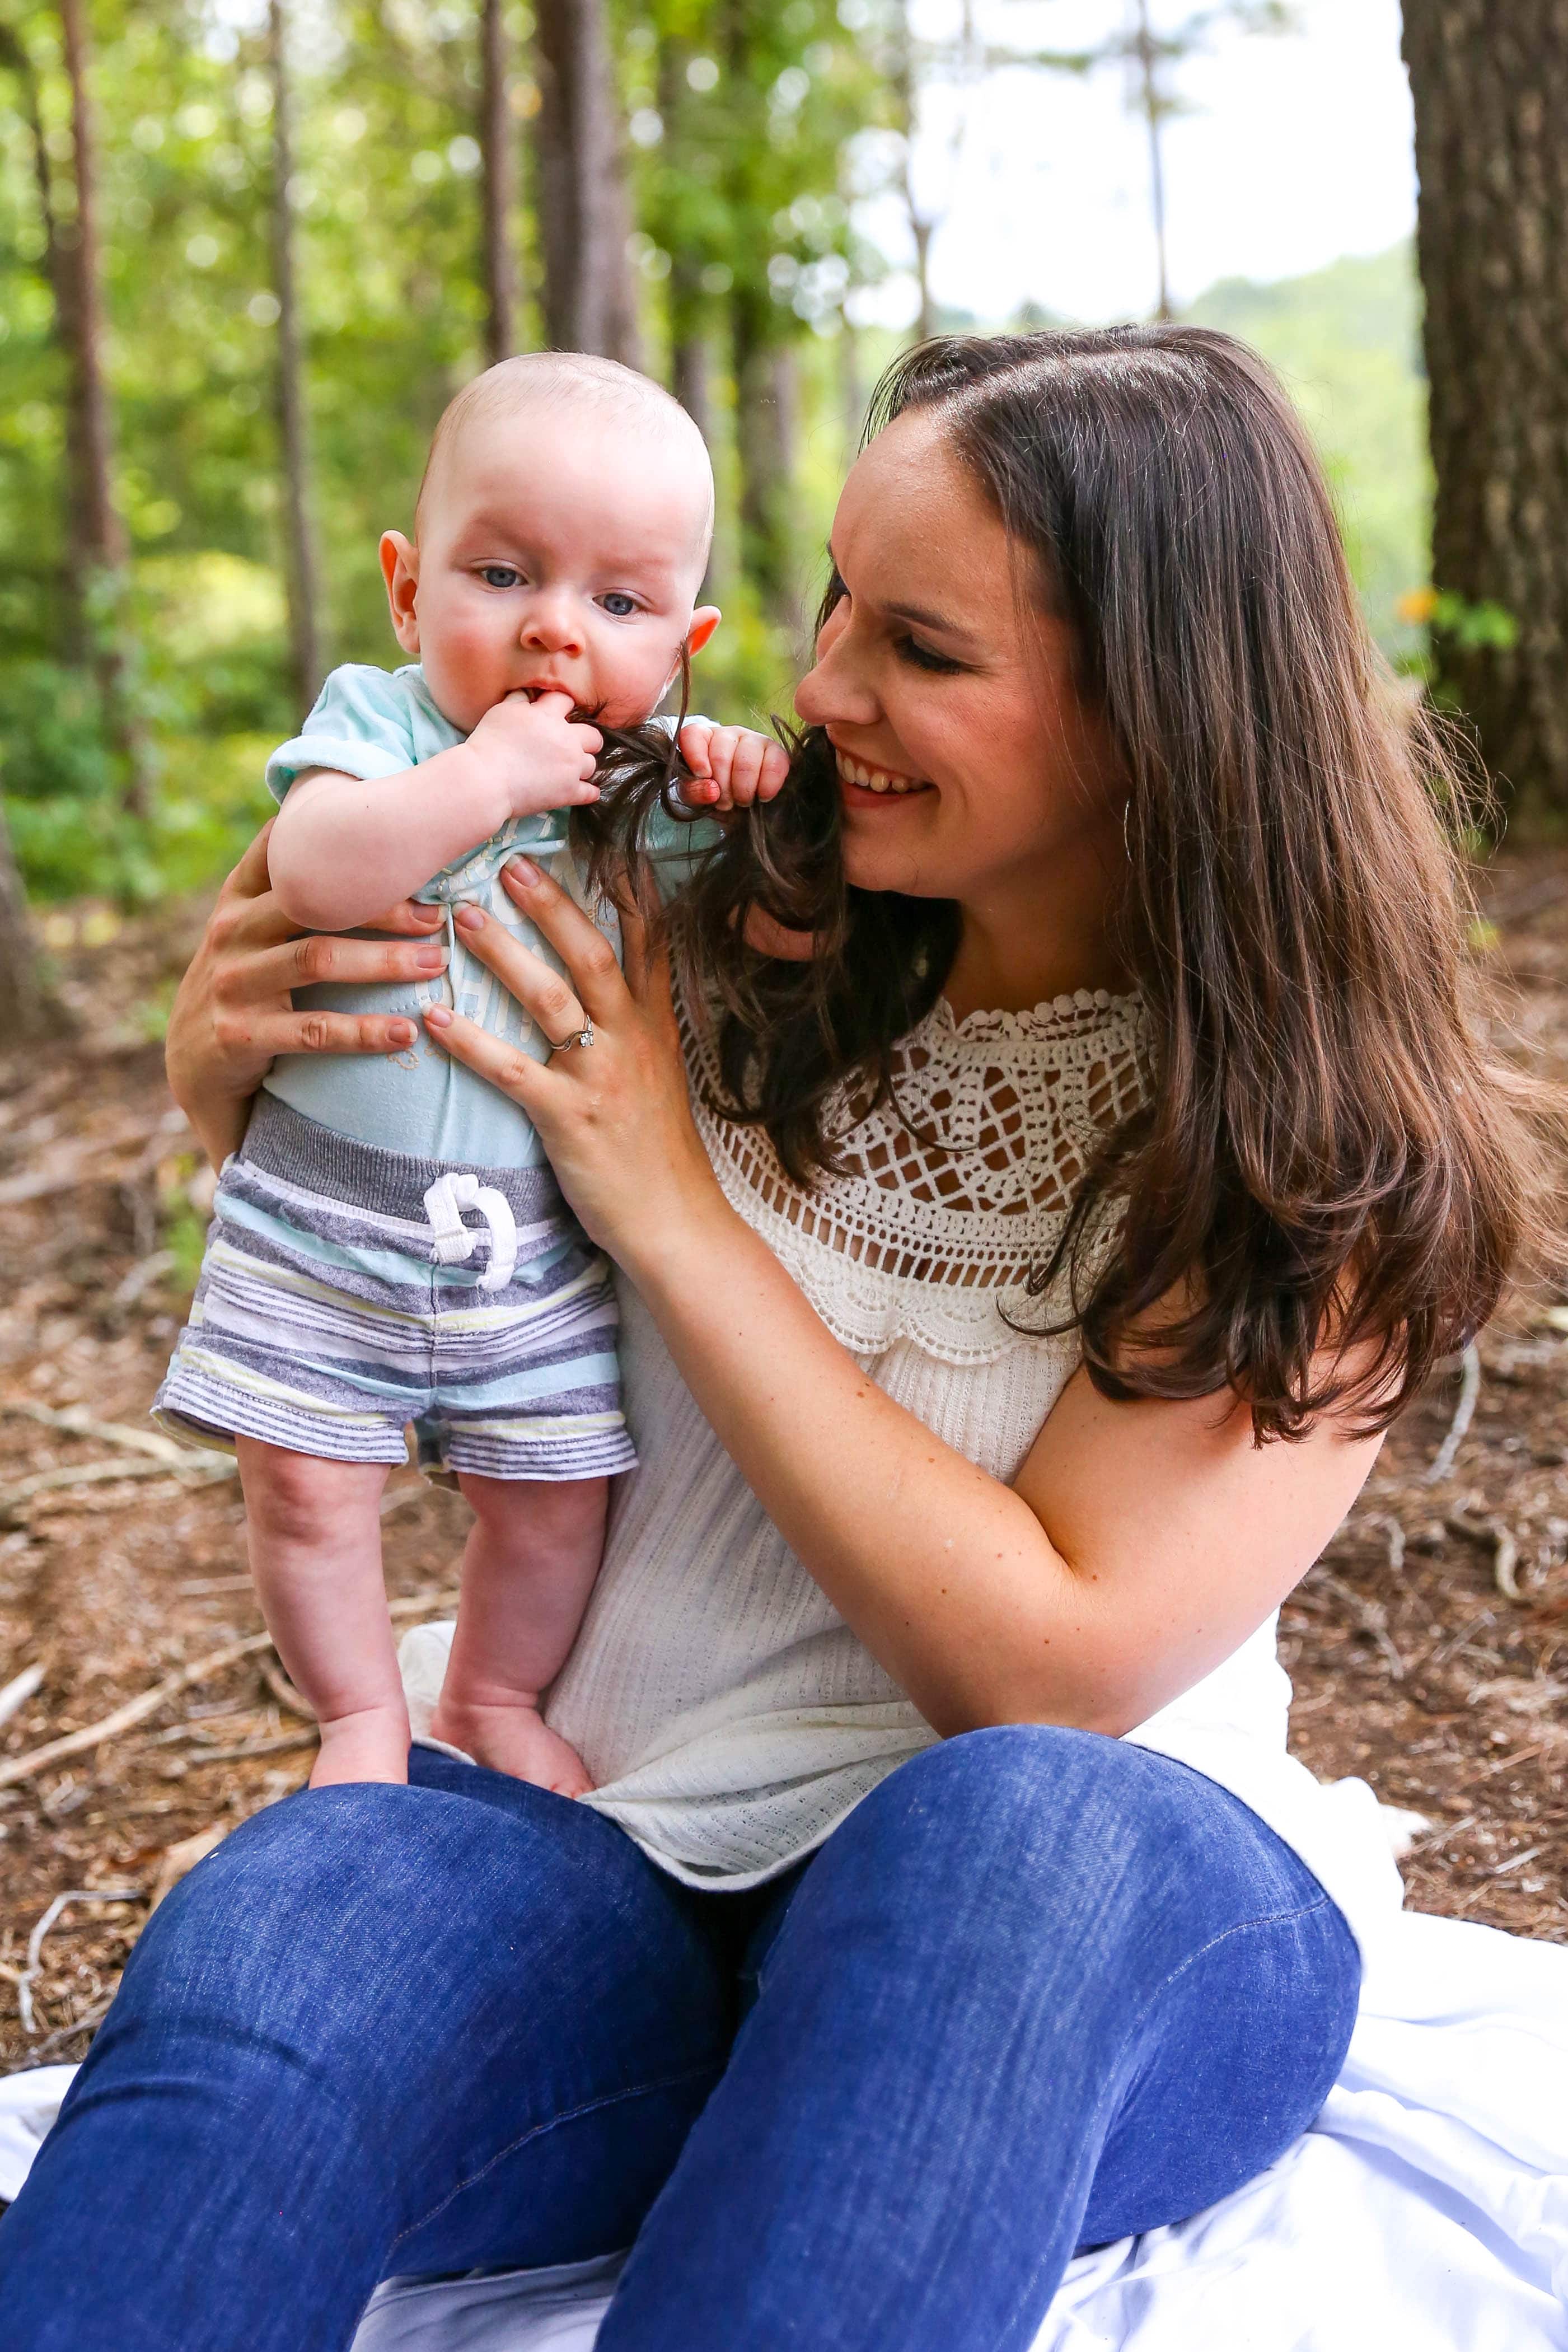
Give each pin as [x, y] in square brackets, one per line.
[1038, 1990]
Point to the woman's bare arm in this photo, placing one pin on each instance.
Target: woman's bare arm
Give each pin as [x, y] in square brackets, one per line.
[1140, 1543]
[233, 1010]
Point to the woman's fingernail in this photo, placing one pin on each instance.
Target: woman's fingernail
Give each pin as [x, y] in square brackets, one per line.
[524, 871]
[430, 959]
[470, 916]
[401, 1033]
[438, 1017]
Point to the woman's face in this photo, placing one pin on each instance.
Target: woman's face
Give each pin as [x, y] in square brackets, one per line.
[968, 766]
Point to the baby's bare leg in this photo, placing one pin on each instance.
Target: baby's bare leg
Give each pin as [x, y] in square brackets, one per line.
[313, 1528]
[533, 1553]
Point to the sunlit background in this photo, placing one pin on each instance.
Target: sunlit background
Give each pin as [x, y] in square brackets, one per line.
[784, 165]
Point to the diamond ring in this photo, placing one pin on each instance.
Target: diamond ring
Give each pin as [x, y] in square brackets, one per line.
[583, 1036]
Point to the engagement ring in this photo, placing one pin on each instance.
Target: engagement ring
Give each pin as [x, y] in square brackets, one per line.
[583, 1036]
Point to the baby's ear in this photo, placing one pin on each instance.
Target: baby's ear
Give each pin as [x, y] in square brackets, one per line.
[704, 621]
[400, 570]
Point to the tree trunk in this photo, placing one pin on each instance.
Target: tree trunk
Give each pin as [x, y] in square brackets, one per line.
[765, 444]
[584, 209]
[853, 397]
[293, 420]
[691, 360]
[690, 370]
[497, 134]
[25, 1011]
[1144, 46]
[99, 551]
[1490, 85]
[922, 225]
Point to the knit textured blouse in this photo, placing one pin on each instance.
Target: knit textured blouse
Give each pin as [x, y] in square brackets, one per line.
[730, 1716]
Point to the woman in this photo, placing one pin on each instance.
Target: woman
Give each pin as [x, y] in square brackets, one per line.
[1015, 1294]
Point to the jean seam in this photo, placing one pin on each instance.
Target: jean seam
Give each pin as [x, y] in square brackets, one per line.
[538, 2131]
[1324, 1902]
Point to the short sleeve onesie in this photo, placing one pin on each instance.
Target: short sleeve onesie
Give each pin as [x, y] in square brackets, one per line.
[375, 723]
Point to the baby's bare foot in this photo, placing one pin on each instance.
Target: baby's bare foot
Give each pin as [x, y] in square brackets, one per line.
[511, 1739]
[371, 1745]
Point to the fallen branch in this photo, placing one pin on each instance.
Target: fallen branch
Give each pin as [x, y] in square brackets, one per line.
[19, 1690]
[1372, 1620]
[202, 1467]
[134, 1711]
[280, 1744]
[141, 1276]
[1505, 1550]
[77, 1423]
[35, 1940]
[283, 1692]
[1464, 1413]
[1393, 1533]
[61, 2035]
[137, 1710]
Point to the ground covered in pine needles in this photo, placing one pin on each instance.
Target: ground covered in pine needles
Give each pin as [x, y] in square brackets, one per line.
[1429, 1648]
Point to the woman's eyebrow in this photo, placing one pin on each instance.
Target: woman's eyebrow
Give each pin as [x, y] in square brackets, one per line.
[923, 617]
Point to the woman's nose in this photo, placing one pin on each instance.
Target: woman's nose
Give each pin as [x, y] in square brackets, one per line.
[835, 690]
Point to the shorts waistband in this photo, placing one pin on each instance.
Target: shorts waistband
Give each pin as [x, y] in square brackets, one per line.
[281, 1141]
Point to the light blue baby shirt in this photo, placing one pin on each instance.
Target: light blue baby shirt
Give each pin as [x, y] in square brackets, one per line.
[376, 723]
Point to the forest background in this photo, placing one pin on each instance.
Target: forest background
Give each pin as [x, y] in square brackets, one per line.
[283, 303]
[227, 326]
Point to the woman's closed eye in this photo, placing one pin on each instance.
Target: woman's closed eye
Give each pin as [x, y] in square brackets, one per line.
[911, 650]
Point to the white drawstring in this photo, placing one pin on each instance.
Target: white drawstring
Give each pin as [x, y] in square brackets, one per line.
[454, 1241]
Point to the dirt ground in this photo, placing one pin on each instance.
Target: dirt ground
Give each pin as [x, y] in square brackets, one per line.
[1429, 1648]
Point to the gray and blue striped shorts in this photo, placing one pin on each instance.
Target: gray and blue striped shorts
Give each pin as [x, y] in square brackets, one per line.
[325, 1322]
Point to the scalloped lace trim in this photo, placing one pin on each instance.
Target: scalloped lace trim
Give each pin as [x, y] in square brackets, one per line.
[951, 1196]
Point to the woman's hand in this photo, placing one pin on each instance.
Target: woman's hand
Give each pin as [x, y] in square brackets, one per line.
[614, 1116]
[233, 1010]
[1140, 1544]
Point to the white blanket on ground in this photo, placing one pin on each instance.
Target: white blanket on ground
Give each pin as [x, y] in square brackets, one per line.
[1426, 2212]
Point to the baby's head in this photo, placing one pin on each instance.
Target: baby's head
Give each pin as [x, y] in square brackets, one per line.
[561, 538]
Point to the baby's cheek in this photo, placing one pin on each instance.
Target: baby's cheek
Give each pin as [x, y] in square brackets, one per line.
[466, 667]
[630, 676]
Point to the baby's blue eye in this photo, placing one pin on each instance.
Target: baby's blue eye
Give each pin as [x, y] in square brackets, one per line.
[619, 604]
[500, 575]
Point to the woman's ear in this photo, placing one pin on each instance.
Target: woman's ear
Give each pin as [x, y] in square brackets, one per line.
[400, 570]
[704, 621]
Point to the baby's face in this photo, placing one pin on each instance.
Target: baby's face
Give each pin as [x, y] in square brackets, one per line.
[554, 550]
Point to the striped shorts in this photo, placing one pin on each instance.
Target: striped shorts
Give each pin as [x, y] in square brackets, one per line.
[324, 1321]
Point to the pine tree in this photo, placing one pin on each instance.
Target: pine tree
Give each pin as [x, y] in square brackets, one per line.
[293, 420]
[1490, 84]
[497, 134]
[583, 206]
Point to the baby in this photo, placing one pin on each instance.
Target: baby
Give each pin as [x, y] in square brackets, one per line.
[562, 535]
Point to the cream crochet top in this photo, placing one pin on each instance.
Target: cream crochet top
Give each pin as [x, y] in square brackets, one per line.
[730, 1716]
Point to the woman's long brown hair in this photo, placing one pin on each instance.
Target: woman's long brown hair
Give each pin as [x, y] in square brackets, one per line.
[1328, 1183]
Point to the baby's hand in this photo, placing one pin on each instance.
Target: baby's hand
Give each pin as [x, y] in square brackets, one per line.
[731, 766]
[540, 758]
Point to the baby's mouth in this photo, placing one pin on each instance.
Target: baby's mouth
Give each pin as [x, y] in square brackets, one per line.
[868, 779]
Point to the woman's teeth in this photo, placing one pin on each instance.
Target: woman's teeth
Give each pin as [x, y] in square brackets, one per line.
[875, 780]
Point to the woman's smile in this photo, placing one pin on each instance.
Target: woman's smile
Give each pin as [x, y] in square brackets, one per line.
[865, 781]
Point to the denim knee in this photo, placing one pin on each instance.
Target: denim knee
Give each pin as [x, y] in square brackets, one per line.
[1037, 1826]
[309, 1937]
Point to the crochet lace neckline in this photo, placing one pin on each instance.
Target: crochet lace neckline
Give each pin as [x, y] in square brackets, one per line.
[953, 1193]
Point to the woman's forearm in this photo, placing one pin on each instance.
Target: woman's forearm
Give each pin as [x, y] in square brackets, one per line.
[947, 1575]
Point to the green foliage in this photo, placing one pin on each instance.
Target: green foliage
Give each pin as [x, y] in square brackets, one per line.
[1474, 628]
[1346, 339]
[752, 122]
